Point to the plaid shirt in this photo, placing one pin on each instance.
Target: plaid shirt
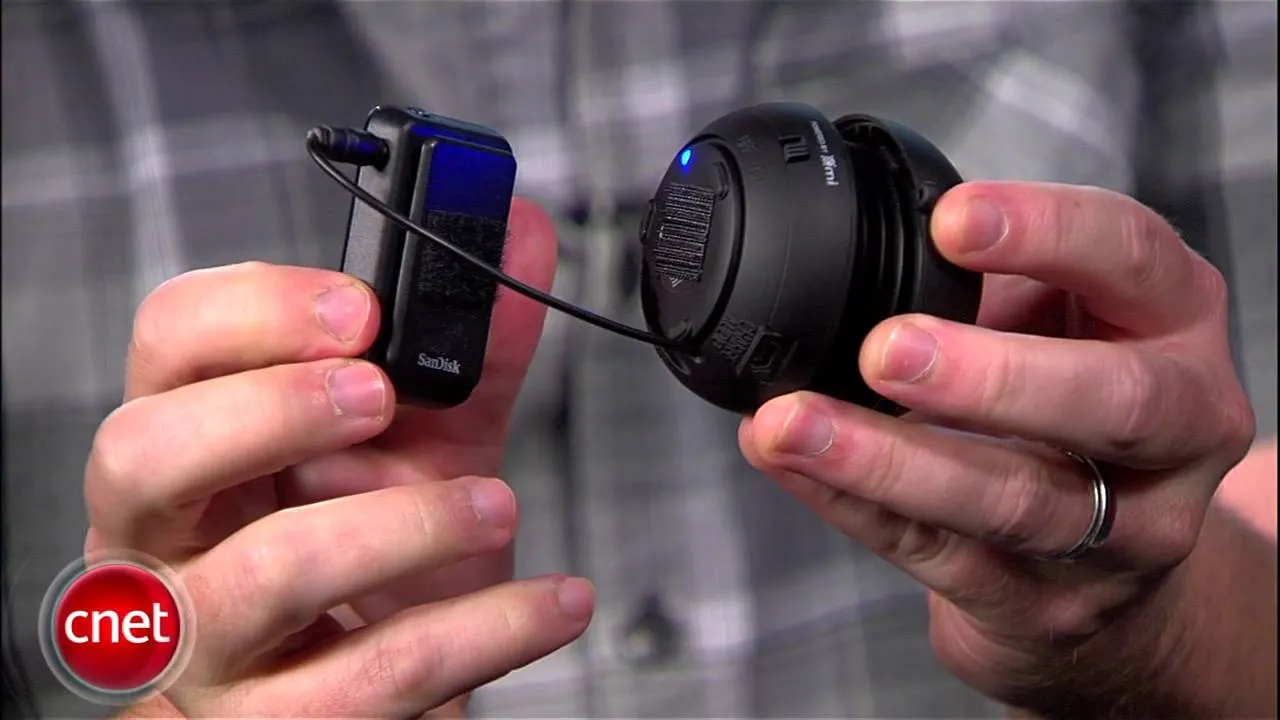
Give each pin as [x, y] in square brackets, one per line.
[142, 140]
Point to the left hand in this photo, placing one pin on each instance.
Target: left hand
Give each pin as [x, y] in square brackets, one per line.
[1100, 332]
[228, 441]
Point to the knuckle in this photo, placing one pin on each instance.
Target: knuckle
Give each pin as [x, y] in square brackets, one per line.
[882, 461]
[850, 514]
[1239, 428]
[1003, 377]
[252, 289]
[250, 299]
[512, 621]
[1138, 395]
[383, 669]
[907, 542]
[253, 268]
[286, 402]
[1068, 220]
[1069, 619]
[917, 544]
[1022, 507]
[427, 510]
[445, 516]
[1141, 254]
[179, 297]
[434, 519]
[262, 568]
[115, 459]
[1059, 224]
[398, 665]
[830, 501]
[1174, 533]
[1215, 291]
[153, 322]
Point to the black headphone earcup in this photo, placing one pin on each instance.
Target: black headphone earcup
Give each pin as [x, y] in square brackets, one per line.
[778, 239]
[899, 177]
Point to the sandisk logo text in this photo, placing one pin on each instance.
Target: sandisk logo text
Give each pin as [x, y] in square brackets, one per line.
[439, 363]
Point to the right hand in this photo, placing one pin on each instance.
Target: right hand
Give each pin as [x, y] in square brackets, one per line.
[276, 476]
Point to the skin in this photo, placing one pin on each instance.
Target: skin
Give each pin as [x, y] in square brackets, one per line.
[234, 461]
[229, 461]
[1100, 331]
[1249, 490]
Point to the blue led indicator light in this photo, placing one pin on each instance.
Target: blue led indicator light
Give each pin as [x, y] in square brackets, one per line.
[686, 157]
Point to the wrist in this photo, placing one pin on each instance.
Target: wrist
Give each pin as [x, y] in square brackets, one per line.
[1200, 643]
[1223, 614]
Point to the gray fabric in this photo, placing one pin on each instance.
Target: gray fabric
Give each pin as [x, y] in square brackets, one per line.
[141, 140]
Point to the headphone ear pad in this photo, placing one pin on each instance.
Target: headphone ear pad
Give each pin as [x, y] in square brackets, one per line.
[899, 178]
[921, 174]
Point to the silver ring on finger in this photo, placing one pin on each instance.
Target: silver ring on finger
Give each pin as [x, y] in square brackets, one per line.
[1104, 513]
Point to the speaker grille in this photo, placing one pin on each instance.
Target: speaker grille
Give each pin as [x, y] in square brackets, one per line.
[732, 338]
[684, 227]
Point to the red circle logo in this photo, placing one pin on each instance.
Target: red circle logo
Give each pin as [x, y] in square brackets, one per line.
[114, 630]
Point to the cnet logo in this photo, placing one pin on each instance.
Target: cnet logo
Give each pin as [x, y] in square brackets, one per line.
[115, 630]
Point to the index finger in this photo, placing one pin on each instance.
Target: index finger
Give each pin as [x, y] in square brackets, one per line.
[221, 321]
[1125, 262]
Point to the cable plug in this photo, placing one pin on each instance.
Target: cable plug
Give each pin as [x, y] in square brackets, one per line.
[348, 145]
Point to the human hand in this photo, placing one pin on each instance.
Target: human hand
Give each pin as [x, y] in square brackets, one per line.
[280, 481]
[1100, 332]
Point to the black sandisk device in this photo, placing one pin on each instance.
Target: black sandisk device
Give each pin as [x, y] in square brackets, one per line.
[455, 179]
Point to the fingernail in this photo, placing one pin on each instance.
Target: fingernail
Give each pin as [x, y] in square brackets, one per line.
[493, 502]
[577, 598]
[985, 225]
[807, 432]
[343, 311]
[356, 390]
[910, 355]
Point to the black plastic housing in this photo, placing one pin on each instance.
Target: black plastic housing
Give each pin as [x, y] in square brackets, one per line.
[778, 239]
[456, 179]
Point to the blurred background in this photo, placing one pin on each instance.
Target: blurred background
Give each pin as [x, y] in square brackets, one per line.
[144, 139]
